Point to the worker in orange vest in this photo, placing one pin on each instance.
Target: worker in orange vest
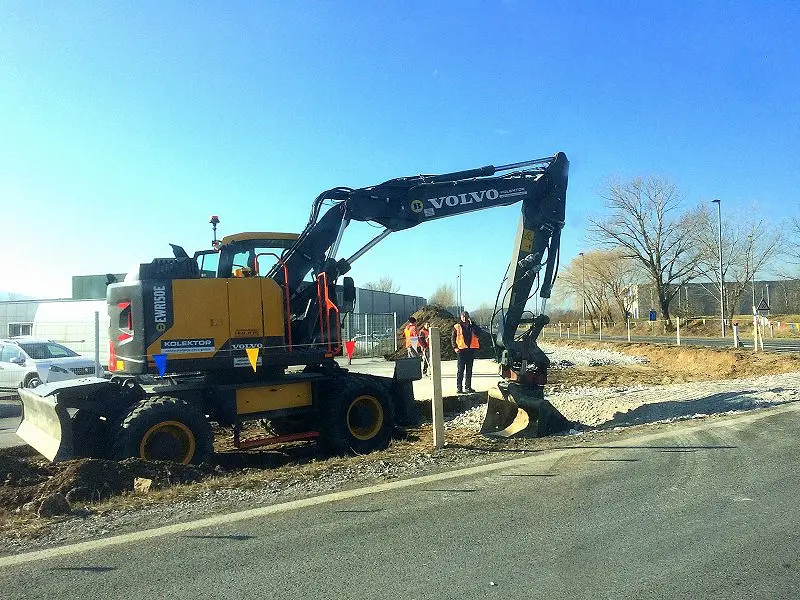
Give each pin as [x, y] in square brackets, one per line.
[424, 346]
[465, 343]
[412, 337]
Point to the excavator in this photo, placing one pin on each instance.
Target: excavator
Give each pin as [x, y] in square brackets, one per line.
[248, 332]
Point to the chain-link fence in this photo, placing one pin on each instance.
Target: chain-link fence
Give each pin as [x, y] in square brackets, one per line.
[374, 334]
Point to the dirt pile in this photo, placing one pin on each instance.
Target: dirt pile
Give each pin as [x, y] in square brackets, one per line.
[84, 480]
[444, 320]
[673, 364]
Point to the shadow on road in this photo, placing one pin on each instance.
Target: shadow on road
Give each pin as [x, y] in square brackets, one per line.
[670, 410]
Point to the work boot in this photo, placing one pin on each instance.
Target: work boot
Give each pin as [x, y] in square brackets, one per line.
[469, 390]
[459, 391]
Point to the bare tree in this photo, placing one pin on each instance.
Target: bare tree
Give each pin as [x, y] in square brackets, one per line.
[384, 284]
[482, 315]
[445, 295]
[645, 224]
[601, 279]
[749, 245]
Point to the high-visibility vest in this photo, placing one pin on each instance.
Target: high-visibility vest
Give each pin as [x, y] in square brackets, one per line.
[423, 337]
[461, 344]
[410, 331]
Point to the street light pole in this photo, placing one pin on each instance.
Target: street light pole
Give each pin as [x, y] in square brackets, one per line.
[749, 255]
[460, 297]
[721, 274]
[583, 291]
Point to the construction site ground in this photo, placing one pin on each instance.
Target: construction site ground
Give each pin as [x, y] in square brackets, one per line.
[607, 390]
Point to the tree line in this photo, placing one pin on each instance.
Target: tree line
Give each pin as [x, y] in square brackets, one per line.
[647, 234]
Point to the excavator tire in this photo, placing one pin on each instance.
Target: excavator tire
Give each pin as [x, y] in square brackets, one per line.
[164, 428]
[356, 414]
[90, 435]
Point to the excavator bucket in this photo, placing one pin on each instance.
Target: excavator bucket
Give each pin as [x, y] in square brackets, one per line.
[516, 410]
[47, 414]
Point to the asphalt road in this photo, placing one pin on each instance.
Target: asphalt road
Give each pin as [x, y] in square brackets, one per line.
[10, 411]
[703, 510]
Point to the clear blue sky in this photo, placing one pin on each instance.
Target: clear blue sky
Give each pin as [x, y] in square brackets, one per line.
[123, 126]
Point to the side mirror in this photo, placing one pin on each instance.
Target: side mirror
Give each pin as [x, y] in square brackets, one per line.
[18, 360]
[349, 295]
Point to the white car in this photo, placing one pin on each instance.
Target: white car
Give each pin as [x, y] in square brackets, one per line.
[29, 362]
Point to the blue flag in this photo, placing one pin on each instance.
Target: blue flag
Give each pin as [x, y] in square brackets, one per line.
[161, 363]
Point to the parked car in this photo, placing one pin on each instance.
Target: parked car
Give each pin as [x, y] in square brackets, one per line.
[29, 362]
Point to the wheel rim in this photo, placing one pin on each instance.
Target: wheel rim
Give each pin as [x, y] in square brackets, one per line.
[365, 417]
[34, 382]
[168, 440]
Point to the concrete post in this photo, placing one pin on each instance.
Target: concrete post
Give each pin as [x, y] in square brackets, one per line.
[98, 369]
[437, 406]
[735, 334]
[755, 332]
[678, 329]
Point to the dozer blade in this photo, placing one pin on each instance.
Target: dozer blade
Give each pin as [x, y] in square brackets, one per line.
[46, 424]
[516, 410]
[46, 419]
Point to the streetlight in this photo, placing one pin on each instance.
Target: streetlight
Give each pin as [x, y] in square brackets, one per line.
[721, 274]
[749, 252]
[460, 297]
[583, 290]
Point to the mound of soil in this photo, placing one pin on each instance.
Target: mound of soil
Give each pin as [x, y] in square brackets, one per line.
[444, 320]
[85, 480]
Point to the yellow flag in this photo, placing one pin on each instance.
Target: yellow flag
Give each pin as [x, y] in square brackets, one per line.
[252, 355]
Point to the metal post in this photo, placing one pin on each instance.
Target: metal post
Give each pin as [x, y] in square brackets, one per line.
[628, 321]
[721, 274]
[460, 296]
[735, 335]
[395, 331]
[678, 329]
[437, 405]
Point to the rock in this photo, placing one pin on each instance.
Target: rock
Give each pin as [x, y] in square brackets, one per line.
[141, 485]
[54, 505]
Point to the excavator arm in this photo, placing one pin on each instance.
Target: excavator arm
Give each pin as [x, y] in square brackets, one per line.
[539, 185]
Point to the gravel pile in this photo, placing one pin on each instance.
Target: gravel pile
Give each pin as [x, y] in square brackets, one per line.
[563, 356]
